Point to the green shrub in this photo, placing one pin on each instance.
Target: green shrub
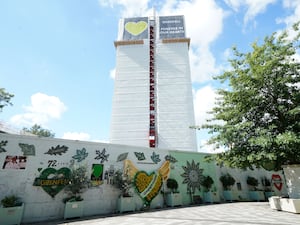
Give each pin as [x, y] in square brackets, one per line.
[78, 182]
[11, 201]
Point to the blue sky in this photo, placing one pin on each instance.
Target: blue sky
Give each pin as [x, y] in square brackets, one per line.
[57, 56]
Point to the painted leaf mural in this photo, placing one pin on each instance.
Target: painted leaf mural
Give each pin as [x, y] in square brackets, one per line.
[140, 156]
[171, 159]
[58, 150]
[3, 144]
[155, 158]
[80, 155]
[27, 149]
[122, 157]
[101, 155]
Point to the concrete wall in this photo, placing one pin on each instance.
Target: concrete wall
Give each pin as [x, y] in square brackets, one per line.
[292, 175]
[36, 155]
[44, 158]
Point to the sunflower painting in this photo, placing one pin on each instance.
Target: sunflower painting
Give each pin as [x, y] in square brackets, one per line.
[192, 176]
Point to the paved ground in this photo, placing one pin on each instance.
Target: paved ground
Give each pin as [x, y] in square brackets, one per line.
[247, 213]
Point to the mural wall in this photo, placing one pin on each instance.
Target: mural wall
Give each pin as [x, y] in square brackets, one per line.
[39, 169]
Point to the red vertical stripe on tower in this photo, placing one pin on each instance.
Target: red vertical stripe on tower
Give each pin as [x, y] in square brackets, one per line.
[152, 108]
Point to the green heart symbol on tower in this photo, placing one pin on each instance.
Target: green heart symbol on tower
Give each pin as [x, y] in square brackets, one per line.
[136, 28]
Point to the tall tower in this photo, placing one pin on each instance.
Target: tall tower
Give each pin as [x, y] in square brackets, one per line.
[152, 103]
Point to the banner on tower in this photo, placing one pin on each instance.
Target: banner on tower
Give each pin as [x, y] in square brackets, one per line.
[171, 27]
[135, 28]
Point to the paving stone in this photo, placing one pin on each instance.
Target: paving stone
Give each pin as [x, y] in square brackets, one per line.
[246, 213]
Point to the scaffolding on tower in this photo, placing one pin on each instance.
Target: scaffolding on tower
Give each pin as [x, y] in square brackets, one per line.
[152, 95]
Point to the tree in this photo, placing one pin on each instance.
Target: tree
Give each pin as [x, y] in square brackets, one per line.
[39, 131]
[5, 98]
[257, 119]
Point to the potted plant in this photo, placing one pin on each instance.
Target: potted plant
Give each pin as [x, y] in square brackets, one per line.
[254, 193]
[267, 187]
[227, 181]
[207, 183]
[123, 182]
[172, 184]
[252, 182]
[209, 195]
[173, 197]
[78, 182]
[11, 211]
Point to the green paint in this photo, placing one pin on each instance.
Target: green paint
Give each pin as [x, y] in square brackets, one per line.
[53, 181]
[97, 170]
[27, 149]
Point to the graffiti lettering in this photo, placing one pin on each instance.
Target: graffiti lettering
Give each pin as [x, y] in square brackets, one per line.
[53, 182]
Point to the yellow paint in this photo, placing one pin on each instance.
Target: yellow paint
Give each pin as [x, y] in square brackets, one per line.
[136, 28]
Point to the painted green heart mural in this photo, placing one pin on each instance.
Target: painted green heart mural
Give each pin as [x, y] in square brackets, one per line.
[148, 186]
[136, 28]
[53, 181]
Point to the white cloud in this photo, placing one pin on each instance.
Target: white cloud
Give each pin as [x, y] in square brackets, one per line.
[204, 147]
[294, 17]
[204, 24]
[203, 65]
[130, 8]
[227, 53]
[289, 21]
[77, 136]
[43, 108]
[234, 4]
[204, 19]
[226, 56]
[256, 7]
[81, 136]
[253, 7]
[204, 101]
[112, 73]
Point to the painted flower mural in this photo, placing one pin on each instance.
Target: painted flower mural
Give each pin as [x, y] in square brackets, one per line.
[192, 176]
